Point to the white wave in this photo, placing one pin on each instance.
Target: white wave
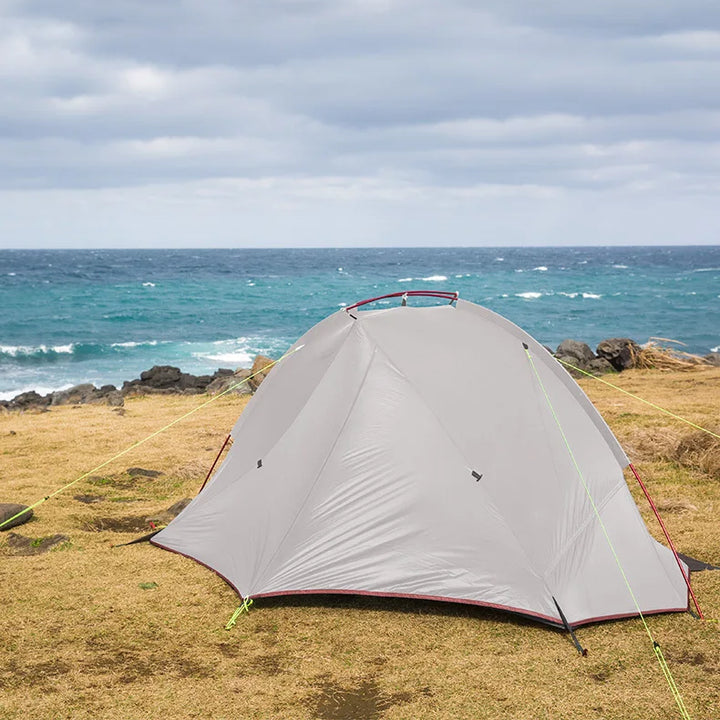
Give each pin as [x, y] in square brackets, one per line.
[342, 304]
[582, 262]
[592, 296]
[39, 389]
[706, 270]
[132, 343]
[715, 349]
[529, 295]
[569, 294]
[15, 350]
[434, 278]
[504, 295]
[251, 284]
[458, 276]
[499, 259]
[12, 274]
[405, 280]
[237, 357]
[148, 284]
[620, 267]
[541, 268]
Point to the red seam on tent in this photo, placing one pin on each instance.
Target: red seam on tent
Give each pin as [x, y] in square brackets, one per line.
[200, 562]
[507, 608]
[527, 613]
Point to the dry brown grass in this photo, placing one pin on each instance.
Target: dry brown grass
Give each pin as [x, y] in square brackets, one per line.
[659, 354]
[92, 631]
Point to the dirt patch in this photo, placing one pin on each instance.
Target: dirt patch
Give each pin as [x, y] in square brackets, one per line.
[127, 524]
[15, 675]
[130, 667]
[21, 545]
[366, 700]
[89, 499]
[143, 472]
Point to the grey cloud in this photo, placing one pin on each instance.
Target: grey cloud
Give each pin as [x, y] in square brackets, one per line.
[621, 96]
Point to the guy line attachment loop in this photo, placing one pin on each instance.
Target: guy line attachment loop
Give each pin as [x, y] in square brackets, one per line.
[245, 607]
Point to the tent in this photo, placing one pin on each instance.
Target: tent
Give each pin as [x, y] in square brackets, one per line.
[431, 452]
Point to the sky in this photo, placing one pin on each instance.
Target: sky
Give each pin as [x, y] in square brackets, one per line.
[311, 123]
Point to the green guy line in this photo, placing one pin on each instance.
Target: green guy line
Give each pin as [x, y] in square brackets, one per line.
[637, 397]
[149, 437]
[656, 647]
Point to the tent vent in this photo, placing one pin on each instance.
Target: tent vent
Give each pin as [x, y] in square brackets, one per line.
[476, 476]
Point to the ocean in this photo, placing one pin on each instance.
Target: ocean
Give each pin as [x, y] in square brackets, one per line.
[103, 316]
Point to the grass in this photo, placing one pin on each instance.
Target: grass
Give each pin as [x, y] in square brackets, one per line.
[136, 632]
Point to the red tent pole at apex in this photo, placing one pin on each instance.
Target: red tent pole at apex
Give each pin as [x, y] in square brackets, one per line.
[212, 467]
[667, 537]
[451, 296]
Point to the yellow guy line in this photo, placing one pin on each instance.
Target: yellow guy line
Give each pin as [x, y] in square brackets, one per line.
[149, 437]
[656, 647]
[637, 397]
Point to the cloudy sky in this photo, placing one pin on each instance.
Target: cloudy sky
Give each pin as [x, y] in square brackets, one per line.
[272, 123]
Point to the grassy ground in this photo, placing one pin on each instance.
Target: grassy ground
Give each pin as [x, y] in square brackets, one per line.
[92, 631]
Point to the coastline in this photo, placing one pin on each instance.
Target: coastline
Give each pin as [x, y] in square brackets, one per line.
[612, 355]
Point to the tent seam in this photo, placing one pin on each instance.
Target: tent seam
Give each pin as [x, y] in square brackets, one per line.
[500, 515]
[325, 461]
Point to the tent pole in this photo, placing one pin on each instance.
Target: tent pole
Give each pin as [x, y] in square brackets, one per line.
[576, 642]
[207, 477]
[667, 537]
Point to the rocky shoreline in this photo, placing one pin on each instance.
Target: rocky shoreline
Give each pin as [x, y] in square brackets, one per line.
[159, 380]
[611, 355]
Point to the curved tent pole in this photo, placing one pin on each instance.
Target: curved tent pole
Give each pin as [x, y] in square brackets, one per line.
[667, 537]
[451, 296]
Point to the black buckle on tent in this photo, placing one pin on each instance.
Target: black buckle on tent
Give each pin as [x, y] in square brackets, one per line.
[477, 477]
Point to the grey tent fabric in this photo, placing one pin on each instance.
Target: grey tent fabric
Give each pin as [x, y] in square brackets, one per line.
[411, 451]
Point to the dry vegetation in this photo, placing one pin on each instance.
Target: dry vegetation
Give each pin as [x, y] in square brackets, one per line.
[92, 631]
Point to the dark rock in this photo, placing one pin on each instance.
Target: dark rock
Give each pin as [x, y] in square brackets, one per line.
[27, 400]
[619, 352]
[74, 395]
[599, 366]
[712, 358]
[222, 382]
[166, 379]
[259, 371]
[142, 472]
[9, 510]
[21, 545]
[161, 376]
[88, 393]
[577, 350]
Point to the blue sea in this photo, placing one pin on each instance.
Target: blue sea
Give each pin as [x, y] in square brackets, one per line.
[103, 316]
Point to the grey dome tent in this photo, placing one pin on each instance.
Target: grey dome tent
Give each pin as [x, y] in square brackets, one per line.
[432, 452]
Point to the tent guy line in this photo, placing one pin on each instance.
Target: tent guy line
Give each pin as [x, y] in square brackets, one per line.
[637, 397]
[149, 437]
[665, 668]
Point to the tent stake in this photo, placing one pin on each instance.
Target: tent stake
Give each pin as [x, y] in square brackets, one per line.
[576, 642]
[667, 537]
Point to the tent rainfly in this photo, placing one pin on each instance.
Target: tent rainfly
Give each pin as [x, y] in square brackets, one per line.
[429, 452]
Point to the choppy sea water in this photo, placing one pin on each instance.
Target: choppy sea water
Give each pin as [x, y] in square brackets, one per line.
[103, 316]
